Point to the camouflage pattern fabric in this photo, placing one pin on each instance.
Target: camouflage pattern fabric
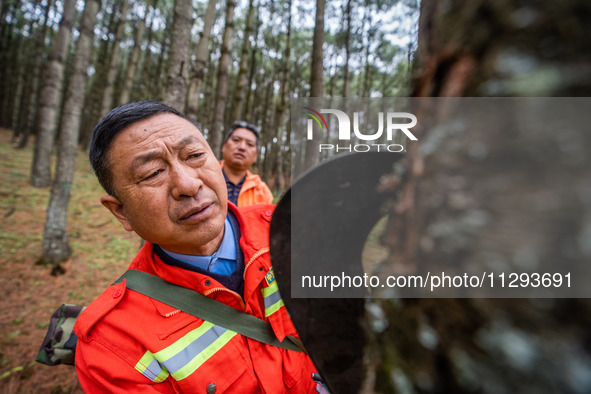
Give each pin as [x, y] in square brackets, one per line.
[59, 345]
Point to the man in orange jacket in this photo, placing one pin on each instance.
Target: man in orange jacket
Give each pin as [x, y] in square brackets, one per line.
[164, 183]
[239, 153]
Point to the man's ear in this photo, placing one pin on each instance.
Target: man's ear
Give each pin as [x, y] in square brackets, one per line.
[116, 207]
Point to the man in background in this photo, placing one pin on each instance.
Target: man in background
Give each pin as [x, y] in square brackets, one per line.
[239, 153]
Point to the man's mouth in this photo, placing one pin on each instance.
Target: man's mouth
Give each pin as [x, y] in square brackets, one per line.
[196, 214]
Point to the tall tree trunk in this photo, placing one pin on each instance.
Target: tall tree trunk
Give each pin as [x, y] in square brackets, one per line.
[147, 54]
[10, 44]
[178, 60]
[56, 247]
[206, 108]
[133, 59]
[222, 81]
[250, 93]
[93, 101]
[493, 345]
[368, 23]
[50, 100]
[278, 154]
[107, 102]
[201, 58]
[317, 76]
[28, 104]
[267, 98]
[239, 91]
[347, 49]
[37, 74]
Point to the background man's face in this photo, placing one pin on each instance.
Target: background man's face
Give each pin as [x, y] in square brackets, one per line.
[240, 151]
[169, 185]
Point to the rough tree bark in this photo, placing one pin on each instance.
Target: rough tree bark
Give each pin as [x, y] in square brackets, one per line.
[28, 107]
[348, 11]
[50, 100]
[534, 209]
[215, 138]
[107, 102]
[56, 247]
[239, 91]
[278, 157]
[317, 75]
[201, 58]
[178, 67]
[133, 58]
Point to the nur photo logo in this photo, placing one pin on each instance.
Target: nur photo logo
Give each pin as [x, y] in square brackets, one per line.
[388, 125]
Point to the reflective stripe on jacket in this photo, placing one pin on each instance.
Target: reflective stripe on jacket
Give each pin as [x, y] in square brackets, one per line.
[130, 342]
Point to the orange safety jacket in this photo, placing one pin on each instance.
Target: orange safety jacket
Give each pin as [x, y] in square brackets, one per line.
[253, 191]
[130, 342]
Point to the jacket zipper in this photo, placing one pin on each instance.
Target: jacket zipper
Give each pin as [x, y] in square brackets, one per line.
[253, 258]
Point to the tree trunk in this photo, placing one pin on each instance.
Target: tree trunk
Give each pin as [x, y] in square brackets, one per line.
[107, 102]
[367, 23]
[159, 72]
[240, 90]
[280, 126]
[521, 183]
[92, 111]
[10, 44]
[147, 55]
[133, 59]
[222, 81]
[201, 58]
[28, 104]
[55, 237]
[50, 101]
[206, 108]
[317, 76]
[178, 66]
[250, 93]
[347, 49]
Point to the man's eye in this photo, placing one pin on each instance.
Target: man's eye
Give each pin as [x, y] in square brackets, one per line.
[152, 175]
[195, 156]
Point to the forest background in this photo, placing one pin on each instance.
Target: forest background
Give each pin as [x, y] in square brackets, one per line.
[63, 64]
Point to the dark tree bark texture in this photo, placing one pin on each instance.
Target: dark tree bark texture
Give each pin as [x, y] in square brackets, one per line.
[535, 195]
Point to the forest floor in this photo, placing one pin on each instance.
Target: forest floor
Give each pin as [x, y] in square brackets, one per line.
[101, 251]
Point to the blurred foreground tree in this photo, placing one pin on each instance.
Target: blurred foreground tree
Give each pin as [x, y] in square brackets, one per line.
[528, 187]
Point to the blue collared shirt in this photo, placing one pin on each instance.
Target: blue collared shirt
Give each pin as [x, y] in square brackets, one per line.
[221, 262]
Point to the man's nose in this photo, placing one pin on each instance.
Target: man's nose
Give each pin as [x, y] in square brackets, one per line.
[185, 181]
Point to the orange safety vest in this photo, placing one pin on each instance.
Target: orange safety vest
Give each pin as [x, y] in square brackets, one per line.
[131, 342]
[253, 191]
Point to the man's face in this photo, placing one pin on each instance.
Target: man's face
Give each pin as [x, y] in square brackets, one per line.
[240, 151]
[169, 185]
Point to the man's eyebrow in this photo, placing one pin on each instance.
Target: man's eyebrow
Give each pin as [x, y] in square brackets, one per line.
[247, 139]
[144, 158]
[154, 154]
[185, 141]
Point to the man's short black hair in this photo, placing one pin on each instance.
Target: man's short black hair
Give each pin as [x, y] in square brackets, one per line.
[111, 125]
[240, 124]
